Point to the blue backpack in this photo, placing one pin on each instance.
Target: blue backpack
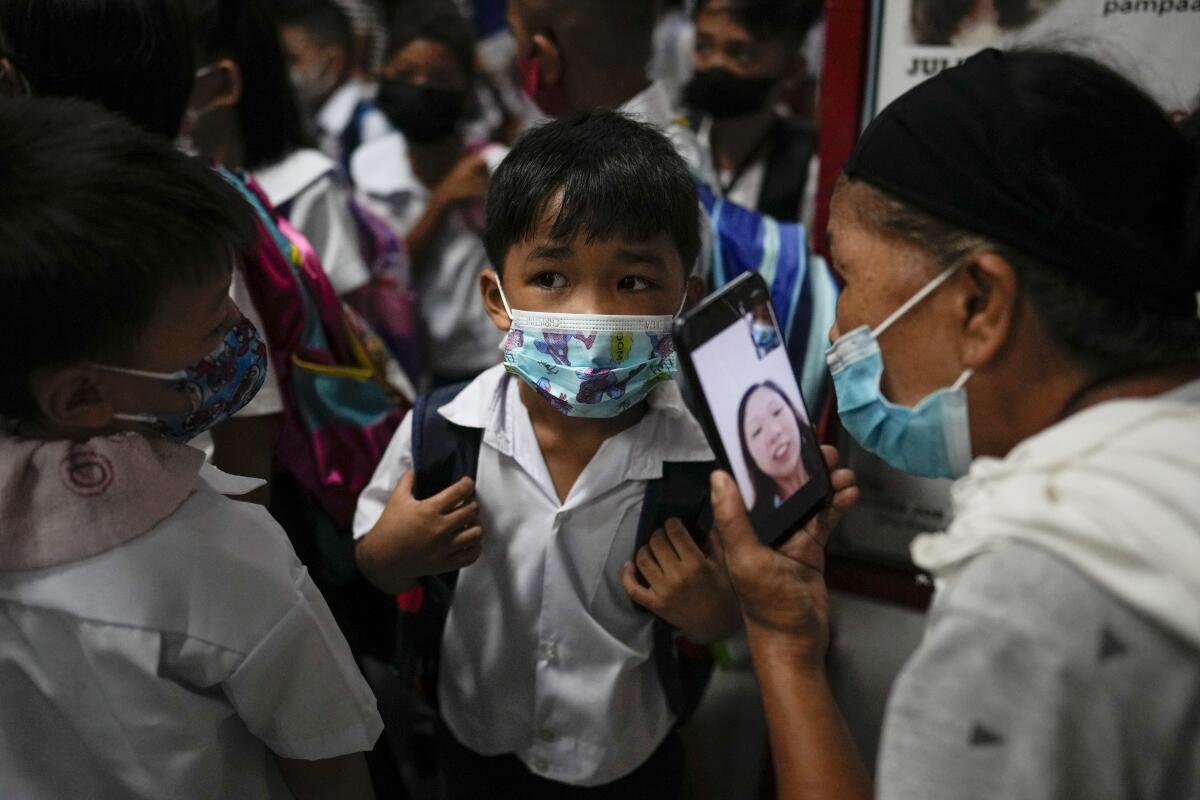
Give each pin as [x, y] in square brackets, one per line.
[442, 454]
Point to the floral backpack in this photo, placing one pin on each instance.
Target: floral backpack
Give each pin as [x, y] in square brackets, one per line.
[340, 409]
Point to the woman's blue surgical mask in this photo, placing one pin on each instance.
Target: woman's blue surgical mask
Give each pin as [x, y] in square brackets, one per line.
[217, 387]
[589, 365]
[932, 439]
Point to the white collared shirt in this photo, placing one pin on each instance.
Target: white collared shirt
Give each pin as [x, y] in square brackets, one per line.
[174, 664]
[318, 205]
[338, 112]
[544, 655]
[463, 339]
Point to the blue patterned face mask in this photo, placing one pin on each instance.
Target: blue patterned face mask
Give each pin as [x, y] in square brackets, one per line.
[589, 365]
[217, 387]
[932, 439]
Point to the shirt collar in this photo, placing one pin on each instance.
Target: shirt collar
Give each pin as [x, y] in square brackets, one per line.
[669, 430]
[652, 105]
[338, 110]
[381, 168]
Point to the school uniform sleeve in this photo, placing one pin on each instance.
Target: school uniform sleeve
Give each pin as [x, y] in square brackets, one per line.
[995, 704]
[299, 690]
[397, 460]
[322, 213]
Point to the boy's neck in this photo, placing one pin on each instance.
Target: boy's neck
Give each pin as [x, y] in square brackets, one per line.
[567, 443]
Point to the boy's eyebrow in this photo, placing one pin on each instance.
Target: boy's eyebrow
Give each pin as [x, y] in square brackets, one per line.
[645, 257]
[552, 252]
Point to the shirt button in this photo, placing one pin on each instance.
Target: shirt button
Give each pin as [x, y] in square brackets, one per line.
[548, 652]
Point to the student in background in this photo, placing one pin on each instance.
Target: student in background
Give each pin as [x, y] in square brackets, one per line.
[584, 55]
[319, 43]
[432, 188]
[251, 121]
[746, 54]
[159, 639]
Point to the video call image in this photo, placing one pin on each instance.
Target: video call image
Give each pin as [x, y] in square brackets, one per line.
[759, 415]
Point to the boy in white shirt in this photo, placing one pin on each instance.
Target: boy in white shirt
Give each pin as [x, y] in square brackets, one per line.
[156, 638]
[551, 679]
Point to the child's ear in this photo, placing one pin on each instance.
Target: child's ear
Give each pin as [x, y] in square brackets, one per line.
[71, 397]
[337, 61]
[13, 85]
[489, 287]
[550, 60]
[220, 86]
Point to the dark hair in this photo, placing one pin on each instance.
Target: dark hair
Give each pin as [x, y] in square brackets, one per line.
[98, 218]
[272, 124]
[617, 178]
[934, 22]
[438, 22]
[764, 485]
[770, 19]
[132, 56]
[1115, 155]
[323, 20]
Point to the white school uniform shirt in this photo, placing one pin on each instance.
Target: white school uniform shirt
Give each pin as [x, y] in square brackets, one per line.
[174, 664]
[318, 205]
[544, 655]
[463, 339]
[338, 112]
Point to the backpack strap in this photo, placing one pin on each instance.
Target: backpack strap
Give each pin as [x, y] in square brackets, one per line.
[681, 492]
[442, 453]
[352, 136]
[793, 145]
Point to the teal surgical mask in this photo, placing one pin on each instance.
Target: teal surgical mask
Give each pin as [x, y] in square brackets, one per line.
[931, 439]
[589, 365]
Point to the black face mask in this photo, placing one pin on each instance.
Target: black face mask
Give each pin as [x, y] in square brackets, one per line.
[420, 113]
[722, 94]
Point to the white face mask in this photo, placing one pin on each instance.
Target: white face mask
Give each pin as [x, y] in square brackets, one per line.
[183, 142]
[313, 84]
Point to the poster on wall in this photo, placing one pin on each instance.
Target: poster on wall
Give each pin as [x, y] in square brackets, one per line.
[1155, 43]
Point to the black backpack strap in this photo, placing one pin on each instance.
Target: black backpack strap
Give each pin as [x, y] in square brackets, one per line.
[352, 136]
[793, 145]
[442, 453]
[681, 492]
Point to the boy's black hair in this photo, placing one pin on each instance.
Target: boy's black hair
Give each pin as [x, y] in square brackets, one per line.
[131, 56]
[616, 177]
[438, 22]
[98, 219]
[272, 124]
[770, 19]
[323, 20]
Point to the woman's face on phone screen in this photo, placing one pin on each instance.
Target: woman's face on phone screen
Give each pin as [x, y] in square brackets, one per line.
[772, 434]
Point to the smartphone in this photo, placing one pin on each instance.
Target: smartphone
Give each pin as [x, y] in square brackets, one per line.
[749, 402]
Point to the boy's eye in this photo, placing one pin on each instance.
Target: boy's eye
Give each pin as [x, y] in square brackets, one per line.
[551, 280]
[634, 283]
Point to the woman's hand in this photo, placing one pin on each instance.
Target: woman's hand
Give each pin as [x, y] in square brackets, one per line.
[785, 604]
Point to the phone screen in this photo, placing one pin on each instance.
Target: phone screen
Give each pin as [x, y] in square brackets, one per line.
[757, 412]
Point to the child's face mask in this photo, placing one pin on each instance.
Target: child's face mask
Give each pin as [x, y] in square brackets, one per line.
[589, 365]
[217, 387]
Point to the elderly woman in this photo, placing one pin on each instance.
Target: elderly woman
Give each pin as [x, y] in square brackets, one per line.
[1018, 238]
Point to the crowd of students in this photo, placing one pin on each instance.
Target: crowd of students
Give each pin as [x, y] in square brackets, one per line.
[325, 434]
